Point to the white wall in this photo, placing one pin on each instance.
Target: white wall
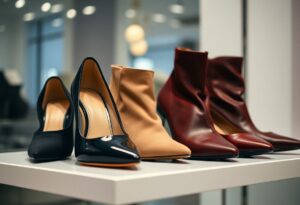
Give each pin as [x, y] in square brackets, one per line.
[221, 31]
[269, 69]
[273, 83]
[94, 35]
[296, 68]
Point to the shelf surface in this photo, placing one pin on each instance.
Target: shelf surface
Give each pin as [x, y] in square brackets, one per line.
[148, 181]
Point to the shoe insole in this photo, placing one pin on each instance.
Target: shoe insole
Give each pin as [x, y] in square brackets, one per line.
[222, 126]
[55, 115]
[99, 123]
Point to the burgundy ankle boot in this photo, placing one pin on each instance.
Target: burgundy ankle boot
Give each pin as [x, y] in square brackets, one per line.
[182, 102]
[226, 88]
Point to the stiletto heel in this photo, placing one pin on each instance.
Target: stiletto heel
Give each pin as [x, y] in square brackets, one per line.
[162, 116]
[54, 138]
[100, 138]
[163, 121]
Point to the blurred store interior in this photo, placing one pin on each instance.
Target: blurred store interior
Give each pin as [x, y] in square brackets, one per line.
[40, 38]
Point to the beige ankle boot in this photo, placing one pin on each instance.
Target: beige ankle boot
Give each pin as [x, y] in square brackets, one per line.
[134, 95]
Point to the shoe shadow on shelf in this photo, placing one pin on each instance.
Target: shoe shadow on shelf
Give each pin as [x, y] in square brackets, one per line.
[40, 161]
[170, 161]
[285, 153]
[215, 160]
[127, 168]
[257, 157]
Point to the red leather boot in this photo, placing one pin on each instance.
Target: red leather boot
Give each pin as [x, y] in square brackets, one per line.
[226, 88]
[182, 102]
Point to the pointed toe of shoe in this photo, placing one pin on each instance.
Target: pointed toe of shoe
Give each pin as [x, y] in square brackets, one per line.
[287, 144]
[166, 149]
[212, 147]
[249, 144]
[178, 149]
[110, 151]
[279, 142]
[43, 148]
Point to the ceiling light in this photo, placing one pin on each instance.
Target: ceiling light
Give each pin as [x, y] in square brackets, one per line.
[20, 3]
[130, 13]
[176, 8]
[71, 13]
[158, 18]
[28, 16]
[139, 48]
[46, 7]
[174, 23]
[89, 10]
[134, 33]
[57, 22]
[56, 8]
[2, 28]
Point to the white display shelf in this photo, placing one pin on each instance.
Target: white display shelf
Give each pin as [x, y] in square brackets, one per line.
[148, 181]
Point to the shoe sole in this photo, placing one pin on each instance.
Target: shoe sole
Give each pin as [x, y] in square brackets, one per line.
[253, 153]
[166, 157]
[220, 157]
[108, 165]
[41, 160]
[285, 149]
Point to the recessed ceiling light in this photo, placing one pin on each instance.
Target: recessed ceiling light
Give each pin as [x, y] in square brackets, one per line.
[158, 18]
[89, 10]
[28, 16]
[57, 22]
[56, 8]
[20, 3]
[176, 8]
[71, 13]
[2, 28]
[46, 7]
[130, 13]
[174, 23]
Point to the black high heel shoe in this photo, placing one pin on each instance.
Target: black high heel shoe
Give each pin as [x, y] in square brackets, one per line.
[54, 138]
[100, 139]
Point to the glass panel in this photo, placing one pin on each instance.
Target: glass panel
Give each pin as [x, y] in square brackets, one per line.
[31, 30]
[52, 25]
[52, 58]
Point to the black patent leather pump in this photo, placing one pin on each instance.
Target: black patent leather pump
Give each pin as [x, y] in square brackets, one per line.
[100, 139]
[53, 140]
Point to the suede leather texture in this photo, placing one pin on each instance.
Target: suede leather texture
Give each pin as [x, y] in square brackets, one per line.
[133, 90]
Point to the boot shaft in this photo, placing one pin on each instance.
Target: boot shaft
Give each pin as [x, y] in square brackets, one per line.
[135, 87]
[226, 88]
[225, 75]
[133, 90]
[190, 69]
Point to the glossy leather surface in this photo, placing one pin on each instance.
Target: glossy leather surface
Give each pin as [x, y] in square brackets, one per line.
[112, 149]
[109, 149]
[182, 100]
[249, 144]
[52, 145]
[226, 87]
